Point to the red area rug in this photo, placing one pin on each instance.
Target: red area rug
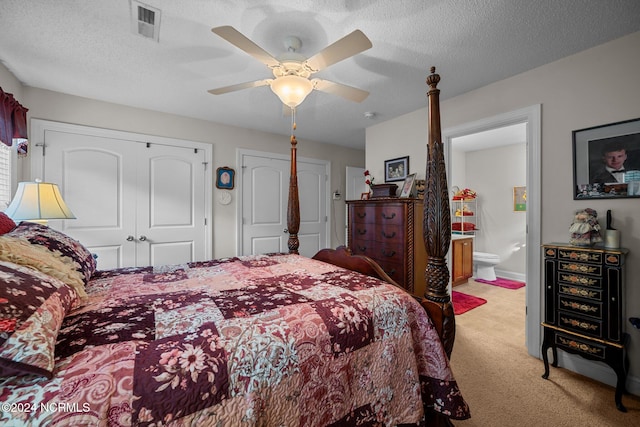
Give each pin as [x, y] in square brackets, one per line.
[503, 283]
[463, 302]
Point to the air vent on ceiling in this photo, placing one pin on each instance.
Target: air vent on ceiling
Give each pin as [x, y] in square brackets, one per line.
[145, 20]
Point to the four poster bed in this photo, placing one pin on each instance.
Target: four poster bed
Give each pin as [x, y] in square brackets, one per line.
[272, 339]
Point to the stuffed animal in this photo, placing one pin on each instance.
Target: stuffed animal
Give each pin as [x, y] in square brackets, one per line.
[585, 230]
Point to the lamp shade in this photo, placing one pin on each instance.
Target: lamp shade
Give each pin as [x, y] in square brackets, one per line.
[38, 200]
[291, 90]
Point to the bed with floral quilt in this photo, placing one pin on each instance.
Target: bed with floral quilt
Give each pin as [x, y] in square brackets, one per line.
[269, 340]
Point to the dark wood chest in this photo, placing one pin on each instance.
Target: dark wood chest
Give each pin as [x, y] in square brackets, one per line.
[390, 232]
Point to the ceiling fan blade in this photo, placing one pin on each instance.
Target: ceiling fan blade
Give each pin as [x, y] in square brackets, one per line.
[239, 40]
[239, 86]
[348, 92]
[344, 48]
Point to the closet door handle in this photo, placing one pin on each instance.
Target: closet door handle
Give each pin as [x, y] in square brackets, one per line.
[142, 238]
[130, 238]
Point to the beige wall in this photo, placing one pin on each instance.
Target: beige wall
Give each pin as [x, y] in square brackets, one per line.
[493, 173]
[48, 105]
[594, 87]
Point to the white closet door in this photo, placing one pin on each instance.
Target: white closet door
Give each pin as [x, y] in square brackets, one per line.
[136, 204]
[97, 178]
[170, 205]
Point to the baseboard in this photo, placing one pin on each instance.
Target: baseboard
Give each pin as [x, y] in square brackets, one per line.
[598, 371]
[521, 277]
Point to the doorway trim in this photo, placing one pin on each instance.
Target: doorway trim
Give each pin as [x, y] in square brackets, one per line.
[242, 152]
[532, 117]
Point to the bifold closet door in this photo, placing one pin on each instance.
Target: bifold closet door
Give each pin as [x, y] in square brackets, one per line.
[136, 204]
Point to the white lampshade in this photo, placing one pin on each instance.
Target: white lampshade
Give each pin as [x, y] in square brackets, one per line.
[291, 90]
[38, 201]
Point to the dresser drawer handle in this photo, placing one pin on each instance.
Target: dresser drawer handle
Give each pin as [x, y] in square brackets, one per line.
[393, 215]
[390, 235]
[362, 231]
[385, 253]
[361, 214]
[362, 248]
[391, 273]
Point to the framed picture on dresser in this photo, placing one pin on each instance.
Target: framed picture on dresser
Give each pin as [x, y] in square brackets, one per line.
[407, 186]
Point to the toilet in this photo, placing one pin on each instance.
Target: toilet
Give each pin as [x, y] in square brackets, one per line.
[483, 265]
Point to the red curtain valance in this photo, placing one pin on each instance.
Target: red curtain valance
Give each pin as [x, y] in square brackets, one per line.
[13, 118]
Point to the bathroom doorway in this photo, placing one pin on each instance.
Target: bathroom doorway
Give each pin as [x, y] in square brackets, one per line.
[529, 120]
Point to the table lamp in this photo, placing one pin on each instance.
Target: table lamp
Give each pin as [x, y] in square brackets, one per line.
[38, 202]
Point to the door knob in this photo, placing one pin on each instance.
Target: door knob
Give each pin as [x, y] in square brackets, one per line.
[130, 238]
[142, 238]
[286, 230]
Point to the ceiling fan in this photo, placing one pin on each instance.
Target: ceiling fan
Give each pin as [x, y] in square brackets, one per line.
[292, 71]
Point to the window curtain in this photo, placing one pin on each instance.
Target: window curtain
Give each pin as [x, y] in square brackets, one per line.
[13, 119]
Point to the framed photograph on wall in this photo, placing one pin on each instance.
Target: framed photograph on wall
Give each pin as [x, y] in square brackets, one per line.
[606, 161]
[396, 169]
[407, 186]
[519, 199]
[225, 177]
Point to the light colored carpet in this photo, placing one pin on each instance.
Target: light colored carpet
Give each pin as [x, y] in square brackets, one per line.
[503, 385]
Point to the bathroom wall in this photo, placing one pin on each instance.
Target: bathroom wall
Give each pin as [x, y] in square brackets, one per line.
[493, 173]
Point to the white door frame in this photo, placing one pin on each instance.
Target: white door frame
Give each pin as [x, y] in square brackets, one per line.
[241, 152]
[39, 127]
[534, 290]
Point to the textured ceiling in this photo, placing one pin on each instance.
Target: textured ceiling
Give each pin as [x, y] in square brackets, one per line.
[86, 48]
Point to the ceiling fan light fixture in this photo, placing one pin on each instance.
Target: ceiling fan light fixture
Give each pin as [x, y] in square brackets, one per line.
[291, 90]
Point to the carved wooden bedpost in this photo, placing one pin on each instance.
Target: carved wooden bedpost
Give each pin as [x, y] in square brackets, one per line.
[437, 225]
[293, 207]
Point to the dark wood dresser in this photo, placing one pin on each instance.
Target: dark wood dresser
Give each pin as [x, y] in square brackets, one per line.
[389, 230]
[584, 307]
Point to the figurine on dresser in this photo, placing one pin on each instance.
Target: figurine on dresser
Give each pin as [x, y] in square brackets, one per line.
[585, 230]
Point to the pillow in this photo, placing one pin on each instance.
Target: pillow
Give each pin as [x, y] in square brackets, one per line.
[32, 307]
[20, 251]
[6, 223]
[58, 242]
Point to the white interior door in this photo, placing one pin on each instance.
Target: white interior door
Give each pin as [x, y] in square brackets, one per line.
[170, 205]
[355, 186]
[265, 192]
[100, 189]
[355, 183]
[136, 203]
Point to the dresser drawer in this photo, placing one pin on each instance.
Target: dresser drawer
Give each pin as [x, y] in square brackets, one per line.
[363, 231]
[580, 280]
[393, 215]
[584, 307]
[580, 324]
[577, 291]
[391, 252]
[580, 268]
[361, 246]
[580, 256]
[576, 344]
[390, 234]
[363, 214]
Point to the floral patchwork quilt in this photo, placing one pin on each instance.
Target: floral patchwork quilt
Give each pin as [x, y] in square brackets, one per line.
[270, 340]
